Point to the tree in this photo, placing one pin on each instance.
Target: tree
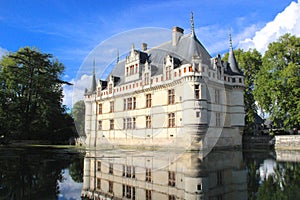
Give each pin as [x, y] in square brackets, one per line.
[250, 63]
[31, 94]
[277, 85]
[78, 112]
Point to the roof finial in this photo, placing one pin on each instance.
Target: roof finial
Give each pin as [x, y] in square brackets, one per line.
[93, 85]
[192, 23]
[94, 66]
[230, 39]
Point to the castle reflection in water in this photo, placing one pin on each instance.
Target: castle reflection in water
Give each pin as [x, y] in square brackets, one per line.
[164, 175]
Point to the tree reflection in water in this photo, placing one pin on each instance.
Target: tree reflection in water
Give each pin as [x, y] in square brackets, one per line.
[283, 184]
[34, 173]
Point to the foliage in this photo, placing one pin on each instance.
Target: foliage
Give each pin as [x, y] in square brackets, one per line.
[78, 113]
[249, 62]
[277, 86]
[284, 184]
[76, 169]
[31, 96]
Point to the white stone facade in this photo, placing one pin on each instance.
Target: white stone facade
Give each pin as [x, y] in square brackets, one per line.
[173, 95]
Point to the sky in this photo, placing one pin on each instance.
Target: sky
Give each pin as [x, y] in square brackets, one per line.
[72, 30]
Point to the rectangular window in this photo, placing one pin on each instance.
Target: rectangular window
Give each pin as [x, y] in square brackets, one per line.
[128, 123]
[148, 100]
[99, 125]
[123, 172]
[100, 108]
[190, 69]
[197, 91]
[124, 123]
[168, 73]
[110, 187]
[172, 178]
[218, 119]
[124, 104]
[112, 106]
[146, 79]
[111, 168]
[148, 175]
[133, 193]
[217, 96]
[171, 96]
[128, 191]
[111, 124]
[129, 103]
[131, 69]
[134, 103]
[148, 121]
[148, 195]
[123, 190]
[133, 123]
[172, 197]
[128, 171]
[99, 166]
[171, 120]
[98, 183]
[133, 172]
[110, 88]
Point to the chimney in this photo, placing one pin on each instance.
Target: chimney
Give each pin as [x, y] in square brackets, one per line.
[177, 32]
[144, 46]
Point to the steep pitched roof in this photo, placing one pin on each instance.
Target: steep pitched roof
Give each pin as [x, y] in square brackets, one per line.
[187, 47]
[232, 61]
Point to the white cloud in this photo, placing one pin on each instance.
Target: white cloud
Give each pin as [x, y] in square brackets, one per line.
[3, 52]
[75, 93]
[288, 21]
[69, 189]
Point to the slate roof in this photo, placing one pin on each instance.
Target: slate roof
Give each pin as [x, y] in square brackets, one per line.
[183, 52]
[187, 47]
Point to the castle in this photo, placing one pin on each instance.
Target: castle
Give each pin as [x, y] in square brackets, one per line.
[172, 95]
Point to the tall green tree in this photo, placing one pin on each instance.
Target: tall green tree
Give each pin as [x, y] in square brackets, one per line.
[277, 85]
[78, 112]
[250, 63]
[31, 94]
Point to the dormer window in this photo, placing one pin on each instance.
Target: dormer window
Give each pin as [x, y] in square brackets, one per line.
[169, 65]
[146, 78]
[168, 73]
[110, 88]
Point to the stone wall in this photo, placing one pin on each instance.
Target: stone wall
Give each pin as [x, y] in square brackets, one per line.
[287, 142]
[263, 141]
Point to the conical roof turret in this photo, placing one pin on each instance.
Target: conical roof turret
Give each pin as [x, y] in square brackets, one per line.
[231, 58]
[93, 84]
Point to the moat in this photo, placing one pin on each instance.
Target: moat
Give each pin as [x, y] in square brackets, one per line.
[69, 173]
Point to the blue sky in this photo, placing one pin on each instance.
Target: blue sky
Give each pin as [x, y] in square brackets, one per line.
[70, 29]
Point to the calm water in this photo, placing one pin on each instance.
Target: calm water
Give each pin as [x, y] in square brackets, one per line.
[49, 173]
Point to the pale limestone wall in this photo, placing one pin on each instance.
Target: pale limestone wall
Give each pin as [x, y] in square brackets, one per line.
[287, 155]
[287, 142]
[219, 105]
